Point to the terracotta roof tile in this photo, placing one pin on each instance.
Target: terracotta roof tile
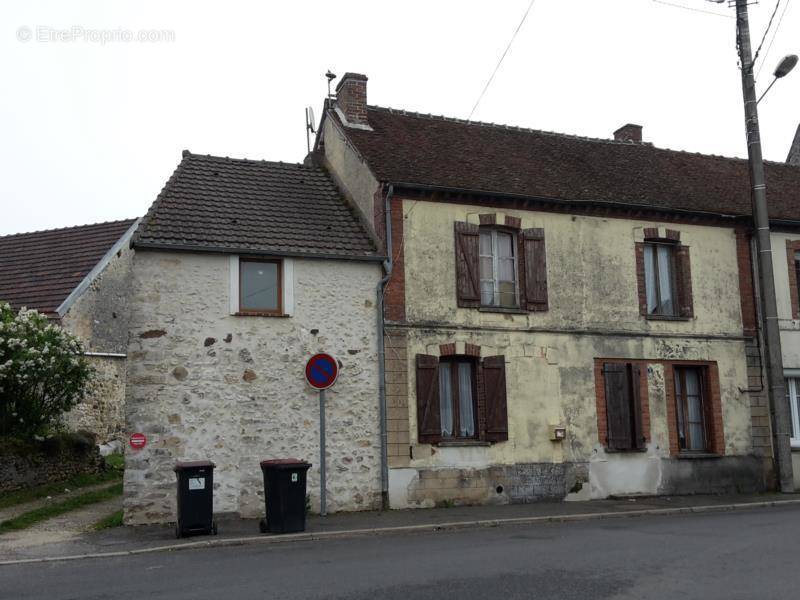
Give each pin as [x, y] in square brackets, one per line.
[40, 269]
[235, 205]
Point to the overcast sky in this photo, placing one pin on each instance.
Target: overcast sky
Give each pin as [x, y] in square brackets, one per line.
[90, 131]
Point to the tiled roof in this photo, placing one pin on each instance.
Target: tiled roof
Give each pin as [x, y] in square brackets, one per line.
[40, 269]
[436, 151]
[237, 205]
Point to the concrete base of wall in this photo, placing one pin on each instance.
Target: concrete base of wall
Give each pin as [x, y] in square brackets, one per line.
[533, 482]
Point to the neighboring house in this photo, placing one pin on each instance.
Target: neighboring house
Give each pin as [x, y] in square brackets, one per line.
[242, 270]
[566, 317]
[78, 277]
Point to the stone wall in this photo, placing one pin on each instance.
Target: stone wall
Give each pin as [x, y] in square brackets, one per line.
[100, 317]
[27, 465]
[205, 384]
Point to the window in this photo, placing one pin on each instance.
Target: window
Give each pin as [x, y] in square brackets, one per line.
[793, 398]
[797, 272]
[624, 406]
[498, 268]
[260, 286]
[457, 398]
[690, 400]
[449, 405]
[659, 273]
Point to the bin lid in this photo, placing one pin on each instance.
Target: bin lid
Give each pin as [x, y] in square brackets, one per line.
[193, 464]
[285, 463]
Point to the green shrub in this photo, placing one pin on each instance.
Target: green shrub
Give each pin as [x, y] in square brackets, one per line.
[43, 373]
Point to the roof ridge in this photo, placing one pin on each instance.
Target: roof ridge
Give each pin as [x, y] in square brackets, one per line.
[63, 229]
[573, 136]
[187, 153]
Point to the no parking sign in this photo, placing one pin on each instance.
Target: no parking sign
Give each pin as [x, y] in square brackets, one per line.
[321, 372]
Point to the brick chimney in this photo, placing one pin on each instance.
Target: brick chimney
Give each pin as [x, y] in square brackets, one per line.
[794, 151]
[351, 98]
[629, 133]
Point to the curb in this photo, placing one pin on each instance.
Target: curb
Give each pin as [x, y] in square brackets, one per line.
[423, 528]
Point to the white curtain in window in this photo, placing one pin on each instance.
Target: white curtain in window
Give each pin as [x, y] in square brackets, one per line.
[665, 280]
[695, 417]
[650, 279]
[445, 400]
[467, 425]
[486, 269]
[793, 398]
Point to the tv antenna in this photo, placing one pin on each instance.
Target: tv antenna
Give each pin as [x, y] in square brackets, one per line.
[310, 127]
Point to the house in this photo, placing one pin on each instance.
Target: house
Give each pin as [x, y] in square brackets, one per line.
[242, 270]
[566, 317]
[78, 277]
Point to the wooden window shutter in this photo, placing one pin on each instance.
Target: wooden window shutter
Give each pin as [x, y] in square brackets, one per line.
[618, 406]
[494, 389]
[683, 277]
[535, 269]
[429, 427]
[468, 290]
[640, 279]
[634, 380]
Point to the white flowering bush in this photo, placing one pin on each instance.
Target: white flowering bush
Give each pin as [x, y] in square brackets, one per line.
[43, 373]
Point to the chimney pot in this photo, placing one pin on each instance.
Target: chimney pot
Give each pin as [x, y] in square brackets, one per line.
[351, 97]
[629, 133]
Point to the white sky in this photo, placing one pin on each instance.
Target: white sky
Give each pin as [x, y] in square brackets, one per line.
[90, 131]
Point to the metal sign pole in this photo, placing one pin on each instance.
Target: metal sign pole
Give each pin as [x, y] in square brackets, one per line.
[322, 482]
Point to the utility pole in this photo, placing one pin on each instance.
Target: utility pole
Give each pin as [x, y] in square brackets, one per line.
[772, 341]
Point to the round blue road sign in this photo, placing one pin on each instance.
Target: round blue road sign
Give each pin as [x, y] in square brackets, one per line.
[322, 371]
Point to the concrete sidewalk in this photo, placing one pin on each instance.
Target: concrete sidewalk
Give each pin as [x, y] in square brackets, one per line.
[159, 538]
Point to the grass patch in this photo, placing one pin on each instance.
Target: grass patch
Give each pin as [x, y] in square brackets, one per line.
[113, 472]
[32, 517]
[114, 520]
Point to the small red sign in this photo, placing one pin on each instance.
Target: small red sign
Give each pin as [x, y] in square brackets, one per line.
[138, 441]
[321, 371]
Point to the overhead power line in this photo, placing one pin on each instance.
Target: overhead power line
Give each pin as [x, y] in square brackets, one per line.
[499, 62]
[774, 35]
[693, 9]
[766, 31]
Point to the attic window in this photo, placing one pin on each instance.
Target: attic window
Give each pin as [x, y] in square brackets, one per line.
[260, 286]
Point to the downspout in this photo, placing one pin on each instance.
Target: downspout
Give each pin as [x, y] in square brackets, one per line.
[387, 268]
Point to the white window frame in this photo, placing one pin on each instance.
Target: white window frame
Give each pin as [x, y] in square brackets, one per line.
[496, 268]
[792, 395]
[287, 285]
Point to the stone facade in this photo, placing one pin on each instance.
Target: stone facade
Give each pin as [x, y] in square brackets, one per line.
[100, 318]
[206, 384]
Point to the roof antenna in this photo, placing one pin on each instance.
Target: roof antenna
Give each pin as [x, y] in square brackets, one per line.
[310, 128]
[331, 76]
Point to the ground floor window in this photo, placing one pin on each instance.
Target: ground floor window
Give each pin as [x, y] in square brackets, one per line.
[457, 398]
[690, 399]
[793, 397]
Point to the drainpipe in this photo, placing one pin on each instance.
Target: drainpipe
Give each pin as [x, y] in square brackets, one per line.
[387, 268]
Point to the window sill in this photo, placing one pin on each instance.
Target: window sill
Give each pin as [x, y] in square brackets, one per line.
[463, 444]
[695, 455]
[261, 314]
[666, 318]
[626, 451]
[500, 309]
[795, 445]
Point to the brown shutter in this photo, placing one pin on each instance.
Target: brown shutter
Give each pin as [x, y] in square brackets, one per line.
[683, 277]
[635, 379]
[640, 279]
[618, 406]
[429, 428]
[535, 269]
[468, 290]
[494, 382]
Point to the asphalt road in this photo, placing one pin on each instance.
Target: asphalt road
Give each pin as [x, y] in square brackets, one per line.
[748, 554]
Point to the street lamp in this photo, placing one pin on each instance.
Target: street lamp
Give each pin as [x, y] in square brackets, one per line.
[787, 63]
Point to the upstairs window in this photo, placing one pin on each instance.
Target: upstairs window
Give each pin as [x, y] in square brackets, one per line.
[259, 286]
[797, 272]
[498, 269]
[664, 277]
[659, 274]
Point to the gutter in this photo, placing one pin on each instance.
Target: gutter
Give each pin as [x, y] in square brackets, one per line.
[380, 290]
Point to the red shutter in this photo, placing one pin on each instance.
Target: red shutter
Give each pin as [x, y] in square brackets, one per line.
[468, 291]
[535, 269]
[494, 387]
[683, 277]
[635, 379]
[429, 427]
[618, 406]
